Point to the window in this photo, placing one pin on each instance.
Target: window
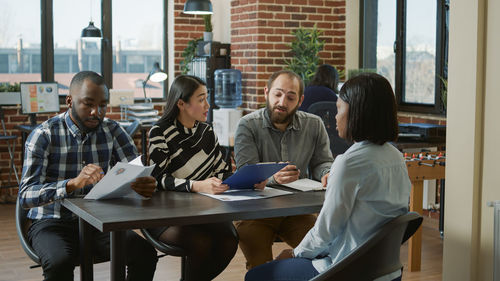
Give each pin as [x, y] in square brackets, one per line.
[49, 48]
[138, 44]
[406, 41]
[20, 41]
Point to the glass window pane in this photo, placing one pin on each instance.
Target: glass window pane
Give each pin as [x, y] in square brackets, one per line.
[72, 53]
[386, 29]
[20, 41]
[420, 51]
[137, 45]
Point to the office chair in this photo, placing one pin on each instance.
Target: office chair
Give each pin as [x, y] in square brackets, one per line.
[168, 250]
[378, 255]
[327, 110]
[22, 226]
[133, 128]
[9, 139]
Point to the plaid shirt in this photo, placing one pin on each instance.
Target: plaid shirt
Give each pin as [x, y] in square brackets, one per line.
[56, 151]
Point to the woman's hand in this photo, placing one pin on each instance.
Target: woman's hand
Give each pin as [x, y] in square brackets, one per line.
[285, 254]
[261, 185]
[211, 185]
[324, 179]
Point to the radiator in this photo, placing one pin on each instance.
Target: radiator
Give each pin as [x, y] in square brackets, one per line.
[496, 240]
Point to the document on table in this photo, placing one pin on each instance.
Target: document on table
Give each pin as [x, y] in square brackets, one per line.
[117, 182]
[305, 185]
[246, 194]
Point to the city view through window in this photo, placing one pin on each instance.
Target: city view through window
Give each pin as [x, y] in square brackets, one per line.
[137, 42]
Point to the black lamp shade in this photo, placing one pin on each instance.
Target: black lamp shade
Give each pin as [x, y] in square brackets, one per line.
[91, 31]
[198, 7]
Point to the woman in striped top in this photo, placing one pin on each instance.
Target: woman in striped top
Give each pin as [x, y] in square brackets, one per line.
[188, 158]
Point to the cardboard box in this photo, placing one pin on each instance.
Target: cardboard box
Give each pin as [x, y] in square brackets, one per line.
[225, 124]
[121, 96]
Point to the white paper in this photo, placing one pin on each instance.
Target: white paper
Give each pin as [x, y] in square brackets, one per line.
[248, 194]
[117, 182]
[305, 185]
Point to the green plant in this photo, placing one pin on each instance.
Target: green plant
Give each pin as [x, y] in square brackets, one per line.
[7, 87]
[207, 19]
[188, 54]
[305, 48]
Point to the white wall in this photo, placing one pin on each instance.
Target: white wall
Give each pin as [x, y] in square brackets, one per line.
[221, 20]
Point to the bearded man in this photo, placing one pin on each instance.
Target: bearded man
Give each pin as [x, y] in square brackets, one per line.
[280, 133]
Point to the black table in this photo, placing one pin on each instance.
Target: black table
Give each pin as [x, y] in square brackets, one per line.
[172, 208]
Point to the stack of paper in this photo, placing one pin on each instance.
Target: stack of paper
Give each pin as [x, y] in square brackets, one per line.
[305, 185]
[117, 182]
[247, 194]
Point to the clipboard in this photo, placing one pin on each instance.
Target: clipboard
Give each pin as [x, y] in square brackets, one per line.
[248, 175]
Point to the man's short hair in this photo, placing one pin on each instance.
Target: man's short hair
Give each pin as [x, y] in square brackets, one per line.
[77, 81]
[290, 74]
[372, 109]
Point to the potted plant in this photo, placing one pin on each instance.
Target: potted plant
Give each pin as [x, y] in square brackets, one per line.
[10, 93]
[188, 54]
[305, 48]
[207, 34]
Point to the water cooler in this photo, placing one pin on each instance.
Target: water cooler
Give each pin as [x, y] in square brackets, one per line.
[227, 88]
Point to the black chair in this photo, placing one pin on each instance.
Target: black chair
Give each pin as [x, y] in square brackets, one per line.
[168, 250]
[22, 226]
[327, 110]
[8, 139]
[133, 128]
[378, 255]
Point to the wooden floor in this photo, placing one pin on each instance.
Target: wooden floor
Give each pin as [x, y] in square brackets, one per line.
[14, 264]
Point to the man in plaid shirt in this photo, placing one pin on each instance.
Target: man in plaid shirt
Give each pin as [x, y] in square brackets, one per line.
[66, 156]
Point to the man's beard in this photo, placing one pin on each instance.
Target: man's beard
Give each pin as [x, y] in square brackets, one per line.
[280, 118]
[81, 125]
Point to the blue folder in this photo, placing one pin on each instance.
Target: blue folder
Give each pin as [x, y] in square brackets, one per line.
[248, 175]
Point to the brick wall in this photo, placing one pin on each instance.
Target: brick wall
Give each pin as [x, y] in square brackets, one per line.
[13, 117]
[186, 28]
[261, 34]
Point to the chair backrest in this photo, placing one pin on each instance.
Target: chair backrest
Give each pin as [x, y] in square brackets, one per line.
[22, 226]
[132, 128]
[378, 255]
[327, 110]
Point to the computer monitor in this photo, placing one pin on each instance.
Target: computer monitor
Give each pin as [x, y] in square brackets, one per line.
[39, 97]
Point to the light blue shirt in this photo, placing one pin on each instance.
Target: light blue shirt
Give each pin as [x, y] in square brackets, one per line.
[368, 185]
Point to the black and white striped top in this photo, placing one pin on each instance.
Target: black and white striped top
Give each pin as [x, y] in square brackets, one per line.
[185, 155]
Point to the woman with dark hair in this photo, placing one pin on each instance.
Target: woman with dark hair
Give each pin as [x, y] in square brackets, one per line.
[368, 185]
[188, 159]
[323, 87]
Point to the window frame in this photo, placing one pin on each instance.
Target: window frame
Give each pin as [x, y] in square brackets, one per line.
[47, 44]
[368, 51]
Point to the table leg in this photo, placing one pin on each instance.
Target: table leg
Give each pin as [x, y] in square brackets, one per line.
[86, 265]
[441, 208]
[118, 253]
[415, 242]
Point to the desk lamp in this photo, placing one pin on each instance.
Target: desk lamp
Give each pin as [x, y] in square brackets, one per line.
[156, 75]
[198, 7]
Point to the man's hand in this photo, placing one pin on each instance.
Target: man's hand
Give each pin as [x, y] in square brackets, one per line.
[90, 174]
[261, 185]
[285, 254]
[144, 186]
[288, 174]
[324, 179]
[211, 185]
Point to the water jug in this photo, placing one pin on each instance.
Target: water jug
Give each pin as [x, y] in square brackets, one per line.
[227, 88]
